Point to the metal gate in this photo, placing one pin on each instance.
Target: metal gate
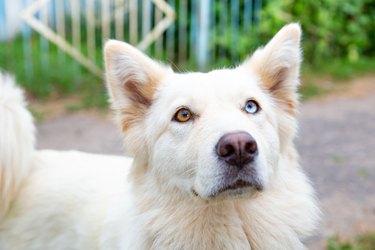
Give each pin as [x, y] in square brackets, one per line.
[37, 35]
[96, 14]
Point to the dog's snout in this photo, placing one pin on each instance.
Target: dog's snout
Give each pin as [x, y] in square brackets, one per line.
[237, 149]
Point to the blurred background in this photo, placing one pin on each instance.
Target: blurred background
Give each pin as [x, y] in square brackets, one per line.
[54, 46]
[54, 49]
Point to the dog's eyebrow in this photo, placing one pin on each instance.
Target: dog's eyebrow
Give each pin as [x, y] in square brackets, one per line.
[182, 106]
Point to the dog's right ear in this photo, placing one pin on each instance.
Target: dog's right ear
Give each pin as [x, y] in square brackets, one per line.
[278, 66]
[132, 78]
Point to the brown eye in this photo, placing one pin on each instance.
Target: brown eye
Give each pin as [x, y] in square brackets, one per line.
[182, 115]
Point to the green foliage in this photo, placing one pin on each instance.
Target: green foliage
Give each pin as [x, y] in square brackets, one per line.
[341, 68]
[338, 38]
[332, 29]
[343, 29]
[362, 242]
[48, 71]
[338, 41]
[309, 90]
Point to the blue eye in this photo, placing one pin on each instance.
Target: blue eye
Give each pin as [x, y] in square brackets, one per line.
[251, 107]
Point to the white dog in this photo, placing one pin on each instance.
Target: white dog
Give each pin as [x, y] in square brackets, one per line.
[214, 164]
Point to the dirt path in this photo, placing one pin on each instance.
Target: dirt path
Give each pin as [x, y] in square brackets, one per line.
[337, 147]
[336, 143]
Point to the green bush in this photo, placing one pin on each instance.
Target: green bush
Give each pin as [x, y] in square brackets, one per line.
[50, 72]
[338, 40]
[361, 242]
[332, 29]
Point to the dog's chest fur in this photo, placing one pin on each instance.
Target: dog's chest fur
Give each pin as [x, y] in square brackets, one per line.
[195, 227]
[213, 227]
[173, 221]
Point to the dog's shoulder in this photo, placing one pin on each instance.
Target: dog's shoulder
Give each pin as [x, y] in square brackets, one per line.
[67, 195]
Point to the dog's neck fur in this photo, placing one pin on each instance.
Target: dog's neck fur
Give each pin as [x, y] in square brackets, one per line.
[178, 221]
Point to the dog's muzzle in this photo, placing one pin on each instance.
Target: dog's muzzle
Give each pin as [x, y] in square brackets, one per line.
[237, 151]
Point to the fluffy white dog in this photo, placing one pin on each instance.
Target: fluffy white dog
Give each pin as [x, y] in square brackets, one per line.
[214, 164]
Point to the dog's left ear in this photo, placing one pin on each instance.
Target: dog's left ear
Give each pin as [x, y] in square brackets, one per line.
[278, 66]
[132, 78]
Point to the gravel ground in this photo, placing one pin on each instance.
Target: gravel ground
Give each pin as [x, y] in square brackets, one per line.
[336, 143]
[337, 147]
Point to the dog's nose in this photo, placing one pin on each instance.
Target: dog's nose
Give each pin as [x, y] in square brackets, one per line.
[237, 149]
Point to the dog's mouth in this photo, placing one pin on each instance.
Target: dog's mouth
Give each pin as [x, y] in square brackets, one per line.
[240, 184]
[235, 188]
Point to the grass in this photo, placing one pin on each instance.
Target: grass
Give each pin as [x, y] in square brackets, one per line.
[38, 115]
[361, 242]
[342, 69]
[335, 71]
[310, 89]
[52, 73]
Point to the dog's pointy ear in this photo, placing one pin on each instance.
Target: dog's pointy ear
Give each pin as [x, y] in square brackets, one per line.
[278, 66]
[132, 78]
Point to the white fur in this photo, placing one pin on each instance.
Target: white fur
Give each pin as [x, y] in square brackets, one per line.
[165, 197]
[16, 140]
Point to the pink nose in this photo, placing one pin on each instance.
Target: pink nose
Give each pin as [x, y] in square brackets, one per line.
[237, 149]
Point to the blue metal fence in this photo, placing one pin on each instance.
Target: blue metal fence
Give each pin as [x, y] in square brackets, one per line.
[203, 33]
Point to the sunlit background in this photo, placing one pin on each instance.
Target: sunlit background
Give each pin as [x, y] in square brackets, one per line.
[54, 49]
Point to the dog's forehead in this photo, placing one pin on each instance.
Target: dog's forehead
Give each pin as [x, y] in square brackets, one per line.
[223, 84]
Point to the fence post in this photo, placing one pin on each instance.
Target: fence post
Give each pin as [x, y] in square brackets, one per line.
[90, 29]
[257, 11]
[182, 31]
[170, 48]
[234, 23]
[133, 21]
[146, 19]
[3, 33]
[203, 38]
[26, 38]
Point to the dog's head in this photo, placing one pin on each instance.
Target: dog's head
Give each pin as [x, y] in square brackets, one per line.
[215, 134]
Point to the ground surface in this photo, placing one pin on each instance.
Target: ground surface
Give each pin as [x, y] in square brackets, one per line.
[336, 143]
